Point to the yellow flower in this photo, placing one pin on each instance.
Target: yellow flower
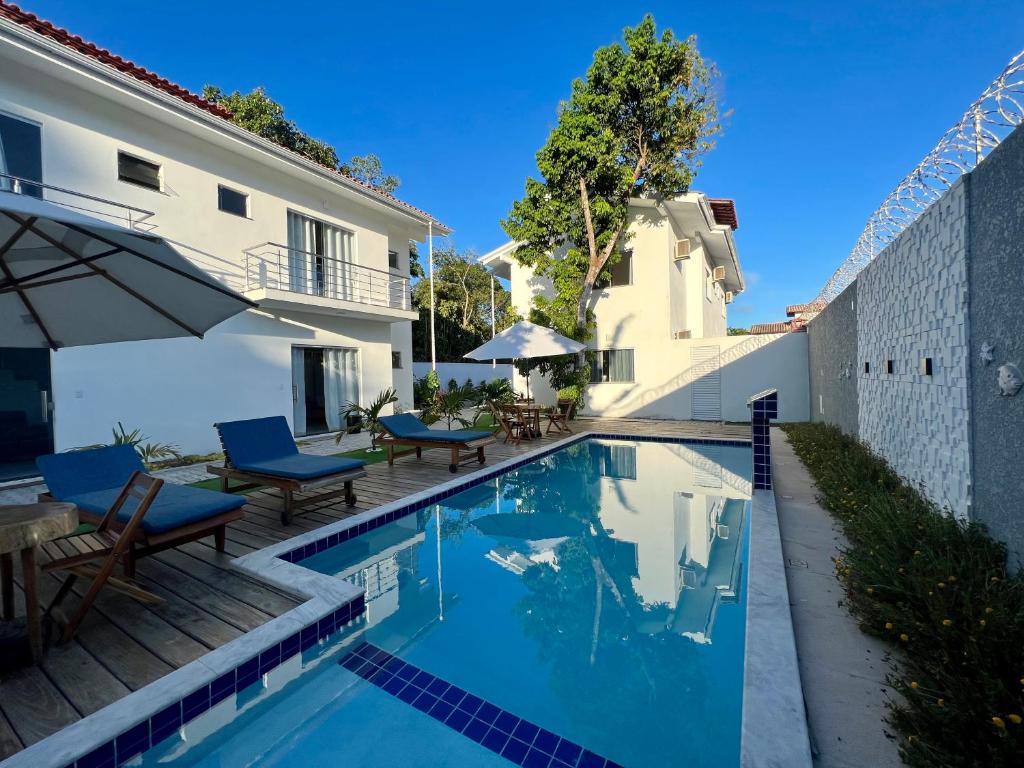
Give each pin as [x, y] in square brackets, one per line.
[888, 625]
[917, 552]
[871, 591]
[998, 722]
[951, 578]
[988, 610]
[982, 622]
[1015, 719]
[994, 579]
[941, 702]
[942, 585]
[913, 685]
[949, 622]
[904, 637]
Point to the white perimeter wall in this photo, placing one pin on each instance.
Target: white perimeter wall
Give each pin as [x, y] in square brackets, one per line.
[912, 304]
[461, 371]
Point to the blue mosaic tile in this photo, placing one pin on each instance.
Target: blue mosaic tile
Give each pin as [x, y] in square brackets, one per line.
[222, 687]
[165, 722]
[476, 730]
[515, 750]
[457, 720]
[247, 673]
[195, 704]
[101, 757]
[132, 742]
[495, 740]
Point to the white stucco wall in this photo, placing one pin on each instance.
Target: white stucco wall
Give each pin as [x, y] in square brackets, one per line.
[912, 304]
[174, 390]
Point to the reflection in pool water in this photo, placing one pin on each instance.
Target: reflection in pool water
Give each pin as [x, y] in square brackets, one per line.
[598, 592]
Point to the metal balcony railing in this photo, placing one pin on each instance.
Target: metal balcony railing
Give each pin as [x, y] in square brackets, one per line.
[89, 205]
[276, 266]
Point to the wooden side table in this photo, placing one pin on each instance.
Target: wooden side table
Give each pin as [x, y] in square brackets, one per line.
[23, 527]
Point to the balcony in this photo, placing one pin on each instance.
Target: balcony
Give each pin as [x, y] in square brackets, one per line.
[88, 205]
[280, 277]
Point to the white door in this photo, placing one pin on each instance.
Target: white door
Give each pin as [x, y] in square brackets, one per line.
[706, 391]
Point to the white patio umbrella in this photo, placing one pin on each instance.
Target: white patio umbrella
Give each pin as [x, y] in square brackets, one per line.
[67, 279]
[525, 341]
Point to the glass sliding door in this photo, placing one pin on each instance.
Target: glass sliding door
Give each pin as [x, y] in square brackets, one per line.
[26, 424]
[324, 381]
[21, 155]
[319, 258]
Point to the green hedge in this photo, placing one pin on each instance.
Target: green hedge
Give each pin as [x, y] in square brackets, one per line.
[937, 589]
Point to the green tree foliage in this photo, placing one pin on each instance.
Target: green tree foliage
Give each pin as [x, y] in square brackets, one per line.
[738, 332]
[462, 289]
[367, 169]
[636, 125]
[257, 112]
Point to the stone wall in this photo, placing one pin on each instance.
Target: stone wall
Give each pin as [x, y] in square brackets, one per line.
[996, 276]
[833, 362]
[912, 307]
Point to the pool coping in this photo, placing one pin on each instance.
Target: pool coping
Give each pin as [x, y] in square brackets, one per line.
[774, 729]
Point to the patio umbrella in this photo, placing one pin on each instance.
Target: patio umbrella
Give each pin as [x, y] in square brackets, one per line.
[525, 341]
[67, 279]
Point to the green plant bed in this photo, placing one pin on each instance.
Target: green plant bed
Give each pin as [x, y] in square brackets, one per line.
[939, 590]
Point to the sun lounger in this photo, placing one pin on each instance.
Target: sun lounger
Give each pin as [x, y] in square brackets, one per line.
[262, 452]
[93, 479]
[95, 555]
[405, 429]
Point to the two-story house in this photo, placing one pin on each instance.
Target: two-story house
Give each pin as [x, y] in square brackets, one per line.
[660, 314]
[325, 257]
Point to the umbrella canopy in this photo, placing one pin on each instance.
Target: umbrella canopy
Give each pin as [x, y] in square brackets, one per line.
[536, 526]
[67, 279]
[526, 340]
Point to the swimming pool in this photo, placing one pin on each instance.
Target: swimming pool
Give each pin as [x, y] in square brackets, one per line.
[586, 608]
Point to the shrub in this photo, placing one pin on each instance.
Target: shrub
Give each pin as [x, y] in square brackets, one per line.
[425, 387]
[151, 454]
[938, 589]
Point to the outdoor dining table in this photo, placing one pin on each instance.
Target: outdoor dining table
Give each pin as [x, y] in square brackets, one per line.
[23, 527]
[530, 415]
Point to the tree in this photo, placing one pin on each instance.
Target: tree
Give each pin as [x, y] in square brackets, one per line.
[367, 169]
[462, 290]
[738, 332]
[636, 125]
[257, 112]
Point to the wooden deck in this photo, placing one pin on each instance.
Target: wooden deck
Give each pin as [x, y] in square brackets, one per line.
[123, 645]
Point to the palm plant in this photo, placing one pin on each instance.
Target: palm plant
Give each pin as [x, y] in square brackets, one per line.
[367, 416]
[148, 452]
[450, 404]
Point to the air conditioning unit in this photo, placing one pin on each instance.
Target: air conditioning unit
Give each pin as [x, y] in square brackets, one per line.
[718, 275]
[728, 297]
[682, 250]
[680, 334]
[722, 531]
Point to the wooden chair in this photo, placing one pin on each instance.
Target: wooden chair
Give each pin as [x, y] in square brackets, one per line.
[99, 553]
[558, 417]
[511, 422]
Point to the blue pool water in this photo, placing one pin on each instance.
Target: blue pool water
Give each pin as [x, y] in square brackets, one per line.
[583, 608]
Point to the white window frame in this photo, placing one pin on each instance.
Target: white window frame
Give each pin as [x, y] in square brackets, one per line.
[600, 366]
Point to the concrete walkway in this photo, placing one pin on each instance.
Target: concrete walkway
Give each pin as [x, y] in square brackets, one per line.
[842, 669]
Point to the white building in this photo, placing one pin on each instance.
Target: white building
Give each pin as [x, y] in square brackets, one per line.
[325, 257]
[668, 294]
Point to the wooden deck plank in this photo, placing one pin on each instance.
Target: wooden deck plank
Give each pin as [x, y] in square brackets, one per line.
[87, 685]
[9, 741]
[34, 706]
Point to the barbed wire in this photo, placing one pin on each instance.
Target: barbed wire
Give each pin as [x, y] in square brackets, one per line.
[995, 113]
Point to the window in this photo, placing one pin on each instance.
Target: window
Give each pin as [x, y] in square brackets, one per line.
[612, 365]
[319, 258]
[396, 360]
[890, 367]
[867, 367]
[617, 461]
[619, 274]
[232, 201]
[926, 366]
[393, 259]
[21, 155]
[134, 170]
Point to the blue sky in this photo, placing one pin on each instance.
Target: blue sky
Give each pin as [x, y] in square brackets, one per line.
[832, 103]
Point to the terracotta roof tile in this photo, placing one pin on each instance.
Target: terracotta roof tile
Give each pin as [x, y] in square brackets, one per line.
[813, 306]
[724, 211]
[47, 29]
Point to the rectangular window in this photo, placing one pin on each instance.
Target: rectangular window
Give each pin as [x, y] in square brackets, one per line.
[21, 155]
[619, 274]
[232, 201]
[396, 360]
[135, 170]
[867, 367]
[320, 258]
[890, 367]
[617, 461]
[612, 365]
[393, 259]
[926, 366]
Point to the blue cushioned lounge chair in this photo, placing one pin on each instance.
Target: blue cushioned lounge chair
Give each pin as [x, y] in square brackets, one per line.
[406, 429]
[262, 452]
[93, 479]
